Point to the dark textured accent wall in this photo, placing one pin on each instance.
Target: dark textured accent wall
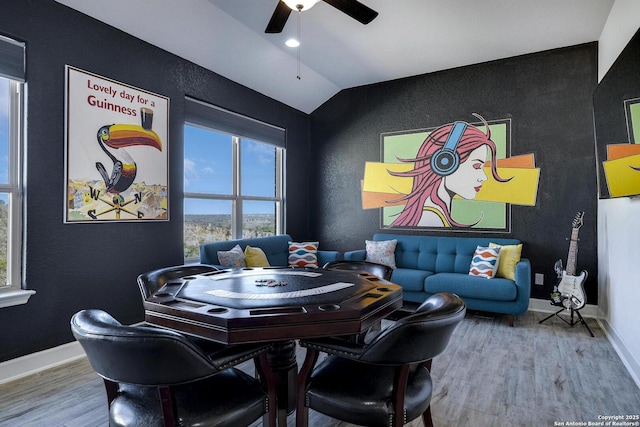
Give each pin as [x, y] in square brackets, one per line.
[621, 83]
[548, 97]
[77, 266]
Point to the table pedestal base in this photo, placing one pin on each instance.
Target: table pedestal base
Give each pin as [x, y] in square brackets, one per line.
[282, 360]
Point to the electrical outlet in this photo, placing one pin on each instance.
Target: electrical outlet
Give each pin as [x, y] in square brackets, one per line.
[539, 279]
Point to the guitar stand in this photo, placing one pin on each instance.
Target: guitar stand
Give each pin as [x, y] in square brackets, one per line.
[571, 323]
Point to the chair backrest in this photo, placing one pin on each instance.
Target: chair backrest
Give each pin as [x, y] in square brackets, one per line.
[153, 280]
[380, 270]
[420, 336]
[136, 354]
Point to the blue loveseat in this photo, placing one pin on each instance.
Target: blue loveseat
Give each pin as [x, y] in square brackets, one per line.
[430, 264]
[276, 248]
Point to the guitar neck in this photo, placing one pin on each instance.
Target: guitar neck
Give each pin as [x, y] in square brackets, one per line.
[573, 253]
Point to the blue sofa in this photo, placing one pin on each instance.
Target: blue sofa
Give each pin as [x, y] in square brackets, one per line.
[430, 264]
[276, 248]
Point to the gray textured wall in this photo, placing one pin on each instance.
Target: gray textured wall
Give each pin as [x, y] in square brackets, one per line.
[547, 95]
[77, 266]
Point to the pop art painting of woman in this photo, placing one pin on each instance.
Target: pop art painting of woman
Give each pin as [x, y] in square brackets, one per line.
[454, 165]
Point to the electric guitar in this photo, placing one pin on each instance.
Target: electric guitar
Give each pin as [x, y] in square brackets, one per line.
[571, 287]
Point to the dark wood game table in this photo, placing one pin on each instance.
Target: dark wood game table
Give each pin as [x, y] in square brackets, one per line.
[277, 305]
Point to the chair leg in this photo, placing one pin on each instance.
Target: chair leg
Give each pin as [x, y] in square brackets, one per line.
[168, 407]
[510, 319]
[426, 418]
[399, 390]
[112, 391]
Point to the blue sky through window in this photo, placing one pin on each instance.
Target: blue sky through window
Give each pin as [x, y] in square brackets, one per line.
[208, 169]
[207, 161]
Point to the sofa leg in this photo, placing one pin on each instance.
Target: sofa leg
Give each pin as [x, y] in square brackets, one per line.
[510, 319]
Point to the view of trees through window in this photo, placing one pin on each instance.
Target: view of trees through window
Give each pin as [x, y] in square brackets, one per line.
[231, 188]
[5, 134]
[203, 228]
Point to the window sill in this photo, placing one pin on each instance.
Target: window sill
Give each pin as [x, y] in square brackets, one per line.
[14, 297]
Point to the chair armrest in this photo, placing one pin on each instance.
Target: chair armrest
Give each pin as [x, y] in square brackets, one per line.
[220, 267]
[225, 356]
[327, 256]
[357, 255]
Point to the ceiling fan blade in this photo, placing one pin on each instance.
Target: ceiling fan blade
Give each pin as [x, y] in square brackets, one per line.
[354, 9]
[279, 18]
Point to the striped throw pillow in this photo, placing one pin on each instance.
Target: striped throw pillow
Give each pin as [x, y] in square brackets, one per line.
[485, 262]
[303, 254]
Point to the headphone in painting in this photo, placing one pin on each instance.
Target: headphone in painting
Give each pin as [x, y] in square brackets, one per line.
[445, 161]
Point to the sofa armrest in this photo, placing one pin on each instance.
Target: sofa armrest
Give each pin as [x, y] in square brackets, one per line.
[523, 283]
[327, 256]
[358, 255]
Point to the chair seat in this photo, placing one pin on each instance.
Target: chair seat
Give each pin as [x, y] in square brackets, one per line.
[365, 393]
[229, 398]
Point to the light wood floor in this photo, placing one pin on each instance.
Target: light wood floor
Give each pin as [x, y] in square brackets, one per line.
[490, 375]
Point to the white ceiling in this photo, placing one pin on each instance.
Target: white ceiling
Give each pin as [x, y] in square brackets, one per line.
[409, 37]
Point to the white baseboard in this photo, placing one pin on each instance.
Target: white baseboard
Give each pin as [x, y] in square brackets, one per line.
[544, 305]
[35, 362]
[632, 365]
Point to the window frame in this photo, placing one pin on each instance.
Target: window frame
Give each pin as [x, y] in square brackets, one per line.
[13, 293]
[236, 197]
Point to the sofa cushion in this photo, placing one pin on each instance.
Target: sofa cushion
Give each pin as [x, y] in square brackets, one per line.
[303, 254]
[485, 262]
[410, 279]
[382, 252]
[471, 287]
[438, 253]
[276, 248]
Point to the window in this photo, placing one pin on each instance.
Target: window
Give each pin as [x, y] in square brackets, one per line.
[11, 133]
[233, 177]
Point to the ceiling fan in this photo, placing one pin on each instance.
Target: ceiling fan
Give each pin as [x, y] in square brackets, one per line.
[353, 8]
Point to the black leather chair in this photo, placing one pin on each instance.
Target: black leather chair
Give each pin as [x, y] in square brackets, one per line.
[156, 377]
[152, 281]
[384, 381]
[380, 270]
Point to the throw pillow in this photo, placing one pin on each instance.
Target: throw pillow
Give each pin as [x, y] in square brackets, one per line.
[509, 257]
[484, 262]
[233, 258]
[255, 257]
[382, 252]
[304, 254]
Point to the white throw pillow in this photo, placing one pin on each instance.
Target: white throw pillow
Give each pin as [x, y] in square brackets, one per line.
[382, 252]
[233, 258]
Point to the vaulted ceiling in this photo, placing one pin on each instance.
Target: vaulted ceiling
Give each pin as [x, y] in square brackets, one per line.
[409, 37]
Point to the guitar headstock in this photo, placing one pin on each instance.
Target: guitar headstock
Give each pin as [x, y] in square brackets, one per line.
[578, 220]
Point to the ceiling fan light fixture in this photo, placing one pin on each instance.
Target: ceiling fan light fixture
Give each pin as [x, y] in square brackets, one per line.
[295, 4]
[292, 43]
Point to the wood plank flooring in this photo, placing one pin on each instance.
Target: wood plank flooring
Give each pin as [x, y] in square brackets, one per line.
[490, 375]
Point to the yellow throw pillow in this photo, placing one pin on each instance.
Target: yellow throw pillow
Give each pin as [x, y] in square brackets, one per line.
[255, 257]
[509, 257]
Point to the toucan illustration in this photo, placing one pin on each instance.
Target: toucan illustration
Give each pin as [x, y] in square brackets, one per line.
[112, 139]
